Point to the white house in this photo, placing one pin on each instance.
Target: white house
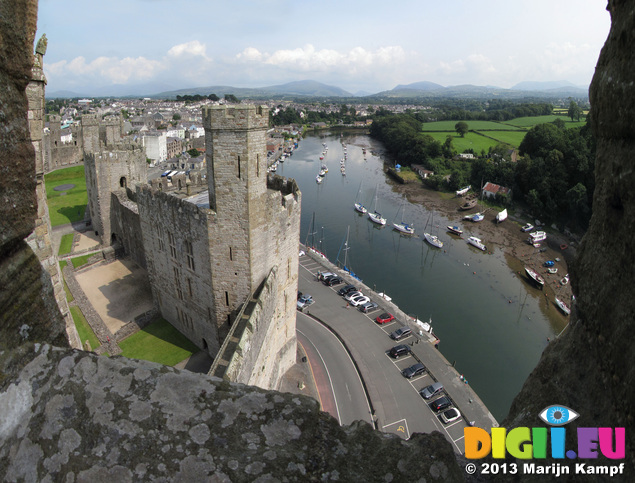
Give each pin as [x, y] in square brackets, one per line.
[156, 146]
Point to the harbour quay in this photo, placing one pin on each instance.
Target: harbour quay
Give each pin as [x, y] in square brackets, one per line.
[395, 400]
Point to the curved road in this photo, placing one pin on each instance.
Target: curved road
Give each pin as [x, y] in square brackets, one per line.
[338, 383]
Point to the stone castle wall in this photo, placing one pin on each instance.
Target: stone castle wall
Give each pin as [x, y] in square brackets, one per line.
[176, 242]
[126, 226]
[109, 171]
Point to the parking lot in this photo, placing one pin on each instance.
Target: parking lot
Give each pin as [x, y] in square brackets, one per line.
[399, 408]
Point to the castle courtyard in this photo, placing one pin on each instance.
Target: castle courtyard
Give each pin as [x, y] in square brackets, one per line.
[118, 291]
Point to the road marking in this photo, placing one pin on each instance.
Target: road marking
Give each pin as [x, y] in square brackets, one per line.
[327, 373]
[402, 428]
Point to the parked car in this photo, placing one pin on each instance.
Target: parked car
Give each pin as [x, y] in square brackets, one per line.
[400, 333]
[358, 301]
[322, 275]
[431, 390]
[440, 404]
[304, 301]
[385, 318]
[332, 281]
[346, 289]
[398, 351]
[368, 307]
[450, 415]
[414, 370]
[352, 295]
[527, 227]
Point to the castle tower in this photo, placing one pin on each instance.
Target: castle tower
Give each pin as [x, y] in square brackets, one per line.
[108, 171]
[255, 229]
[90, 133]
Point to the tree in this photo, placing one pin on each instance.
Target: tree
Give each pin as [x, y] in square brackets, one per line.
[574, 110]
[176, 117]
[232, 98]
[193, 152]
[213, 97]
[461, 128]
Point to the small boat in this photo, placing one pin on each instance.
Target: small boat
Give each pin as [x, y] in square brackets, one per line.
[476, 242]
[527, 227]
[402, 226]
[501, 216]
[563, 306]
[469, 204]
[325, 168]
[549, 263]
[318, 179]
[433, 240]
[463, 191]
[454, 229]
[535, 277]
[376, 217]
[359, 206]
[536, 236]
[565, 280]
[321, 157]
[384, 296]
[552, 270]
[476, 217]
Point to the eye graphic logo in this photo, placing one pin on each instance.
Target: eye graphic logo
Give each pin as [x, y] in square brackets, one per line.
[557, 415]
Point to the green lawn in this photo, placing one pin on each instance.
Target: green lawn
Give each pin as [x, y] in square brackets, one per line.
[513, 138]
[471, 140]
[79, 261]
[72, 205]
[529, 122]
[475, 125]
[66, 244]
[83, 329]
[158, 342]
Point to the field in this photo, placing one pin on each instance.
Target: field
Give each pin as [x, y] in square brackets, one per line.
[508, 132]
[66, 244]
[66, 206]
[83, 329]
[158, 342]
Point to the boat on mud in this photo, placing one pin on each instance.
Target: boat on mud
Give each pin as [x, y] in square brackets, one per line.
[476, 242]
[535, 277]
[469, 204]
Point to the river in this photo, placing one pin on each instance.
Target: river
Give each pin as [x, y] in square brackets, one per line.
[489, 321]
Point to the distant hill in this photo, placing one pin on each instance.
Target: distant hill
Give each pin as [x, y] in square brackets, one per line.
[547, 90]
[306, 88]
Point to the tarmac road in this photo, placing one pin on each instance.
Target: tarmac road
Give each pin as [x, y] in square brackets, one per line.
[338, 383]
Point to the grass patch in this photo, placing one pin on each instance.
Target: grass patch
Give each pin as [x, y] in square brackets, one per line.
[71, 206]
[408, 174]
[158, 342]
[83, 329]
[475, 125]
[79, 261]
[69, 295]
[513, 138]
[528, 122]
[66, 244]
[470, 141]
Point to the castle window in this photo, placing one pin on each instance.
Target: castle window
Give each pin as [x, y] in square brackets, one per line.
[189, 251]
[227, 298]
[177, 282]
[189, 286]
[231, 255]
[122, 182]
[172, 244]
[160, 238]
[238, 167]
[258, 165]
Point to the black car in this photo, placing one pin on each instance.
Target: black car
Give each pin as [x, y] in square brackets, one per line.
[440, 404]
[346, 290]
[400, 333]
[414, 370]
[399, 350]
[332, 281]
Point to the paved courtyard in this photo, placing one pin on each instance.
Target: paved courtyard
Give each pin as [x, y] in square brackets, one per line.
[119, 292]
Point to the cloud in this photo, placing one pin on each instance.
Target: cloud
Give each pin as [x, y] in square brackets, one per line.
[108, 69]
[189, 49]
[308, 58]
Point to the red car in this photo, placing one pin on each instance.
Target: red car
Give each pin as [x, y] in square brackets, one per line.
[385, 318]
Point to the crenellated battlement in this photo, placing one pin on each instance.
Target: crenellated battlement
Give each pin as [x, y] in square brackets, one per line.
[240, 117]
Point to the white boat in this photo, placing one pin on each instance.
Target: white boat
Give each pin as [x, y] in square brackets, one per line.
[461, 192]
[325, 168]
[454, 229]
[476, 217]
[552, 270]
[375, 216]
[402, 226]
[359, 206]
[535, 277]
[433, 240]
[318, 179]
[563, 306]
[536, 237]
[476, 242]
[322, 173]
[501, 216]
[565, 280]
[384, 296]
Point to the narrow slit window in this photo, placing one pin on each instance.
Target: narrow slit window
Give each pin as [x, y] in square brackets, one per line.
[227, 299]
[238, 167]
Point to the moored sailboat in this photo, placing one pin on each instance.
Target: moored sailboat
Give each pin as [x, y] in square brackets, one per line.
[402, 226]
[375, 216]
[358, 205]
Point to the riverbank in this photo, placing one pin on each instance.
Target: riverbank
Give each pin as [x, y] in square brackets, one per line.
[507, 236]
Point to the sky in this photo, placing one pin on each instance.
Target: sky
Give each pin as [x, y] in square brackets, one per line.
[360, 46]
